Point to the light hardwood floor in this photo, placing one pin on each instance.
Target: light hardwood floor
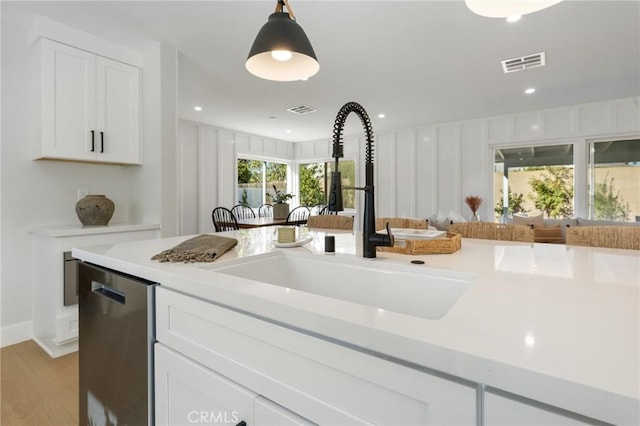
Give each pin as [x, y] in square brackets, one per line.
[36, 389]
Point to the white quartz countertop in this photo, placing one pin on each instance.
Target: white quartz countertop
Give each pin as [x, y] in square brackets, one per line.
[77, 229]
[554, 323]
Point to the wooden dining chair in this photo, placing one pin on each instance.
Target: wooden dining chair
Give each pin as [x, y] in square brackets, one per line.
[265, 210]
[242, 211]
[298, 216]
[317, 209]
[224, 220]
[325, 210]
[494, 231]
[330, 222]
[624, 237]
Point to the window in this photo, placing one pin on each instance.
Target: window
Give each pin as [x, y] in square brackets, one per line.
[614, 180]
[315, 180]
[256, 179]
[540, 179]
[536, 179]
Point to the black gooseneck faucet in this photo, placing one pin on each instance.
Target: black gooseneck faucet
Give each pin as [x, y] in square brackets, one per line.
[370, 239]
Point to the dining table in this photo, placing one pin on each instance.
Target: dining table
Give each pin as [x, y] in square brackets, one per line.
[259, 222]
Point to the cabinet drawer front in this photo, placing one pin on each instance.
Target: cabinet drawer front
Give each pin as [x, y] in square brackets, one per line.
[500, 411]
[196, 395]
[322, 381]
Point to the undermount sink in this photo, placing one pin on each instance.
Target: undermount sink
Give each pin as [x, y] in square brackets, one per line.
[408, 289]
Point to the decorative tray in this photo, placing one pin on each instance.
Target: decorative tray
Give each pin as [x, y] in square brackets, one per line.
[447, 245]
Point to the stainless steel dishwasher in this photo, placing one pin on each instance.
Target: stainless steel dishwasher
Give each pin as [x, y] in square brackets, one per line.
[115, 347]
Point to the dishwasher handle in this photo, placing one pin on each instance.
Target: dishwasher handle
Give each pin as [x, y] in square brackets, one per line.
[108, 292]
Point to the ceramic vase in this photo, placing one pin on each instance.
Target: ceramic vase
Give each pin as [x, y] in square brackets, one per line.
[95, 210]
[280, 211]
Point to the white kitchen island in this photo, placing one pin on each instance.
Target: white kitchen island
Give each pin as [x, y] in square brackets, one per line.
[544, 334]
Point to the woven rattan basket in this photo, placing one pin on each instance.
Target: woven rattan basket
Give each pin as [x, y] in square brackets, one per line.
[450, 244]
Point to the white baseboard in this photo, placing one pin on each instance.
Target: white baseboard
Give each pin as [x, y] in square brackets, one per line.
[16, 333]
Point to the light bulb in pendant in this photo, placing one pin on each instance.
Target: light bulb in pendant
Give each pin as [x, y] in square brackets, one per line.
[281, 55]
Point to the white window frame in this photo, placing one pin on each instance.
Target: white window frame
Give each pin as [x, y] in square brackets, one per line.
[290, 182]
[346, 211]
[581, 163]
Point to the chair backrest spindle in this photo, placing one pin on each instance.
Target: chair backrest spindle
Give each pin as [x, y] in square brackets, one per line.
[224, 220]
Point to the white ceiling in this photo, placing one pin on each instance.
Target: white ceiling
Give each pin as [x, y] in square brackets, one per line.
[418, 62]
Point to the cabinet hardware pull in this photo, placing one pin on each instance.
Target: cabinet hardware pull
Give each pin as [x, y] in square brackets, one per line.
[101, 141]
[108, 292]
[93, 141]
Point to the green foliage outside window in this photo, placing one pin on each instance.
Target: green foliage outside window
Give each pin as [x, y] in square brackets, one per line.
[251, 189]
[249, 171]
[348, 173]
[311, 184]
[553, 191]
[516, 204]
[315, 180]
[276, 176]
[608, 203]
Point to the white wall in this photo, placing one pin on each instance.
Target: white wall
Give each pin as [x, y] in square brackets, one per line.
[207, 172]
[429, 168]
[44, 192]
[418, 171]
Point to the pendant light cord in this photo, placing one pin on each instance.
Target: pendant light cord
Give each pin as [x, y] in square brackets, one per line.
[282, 4]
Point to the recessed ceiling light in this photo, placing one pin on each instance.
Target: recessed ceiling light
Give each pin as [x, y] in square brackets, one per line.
[530, 91]
[287, 131]
[197, 108]
[505, 8]
[514, 18]
[381, 115]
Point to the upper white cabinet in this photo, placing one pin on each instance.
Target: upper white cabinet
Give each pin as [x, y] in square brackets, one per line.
[90, 106]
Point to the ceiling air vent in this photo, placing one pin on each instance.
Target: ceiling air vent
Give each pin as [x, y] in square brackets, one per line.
[523, 62]
[302, 109]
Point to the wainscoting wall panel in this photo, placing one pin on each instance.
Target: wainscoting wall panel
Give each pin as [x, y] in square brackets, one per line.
[418, 171]
[595, 118]
[405, 177]
[207, 173]
[448, 172]
[528, 126]
[473, 165]
[426, 160]
[188, 179]
[208, 183]
[385, 174]
[559, 122]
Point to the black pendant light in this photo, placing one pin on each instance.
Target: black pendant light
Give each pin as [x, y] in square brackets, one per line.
[282, 51]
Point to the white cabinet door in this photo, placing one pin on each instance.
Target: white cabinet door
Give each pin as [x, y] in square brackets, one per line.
[501, 411]
[117, 111]
[186, 393]
[320, 381]
[68, 101]
[90, 107]
[268, 413]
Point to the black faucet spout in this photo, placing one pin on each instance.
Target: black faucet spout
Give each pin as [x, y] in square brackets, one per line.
[370, 239]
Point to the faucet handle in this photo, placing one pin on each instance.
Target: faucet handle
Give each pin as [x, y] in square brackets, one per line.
[383, 240]
[390, 237]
